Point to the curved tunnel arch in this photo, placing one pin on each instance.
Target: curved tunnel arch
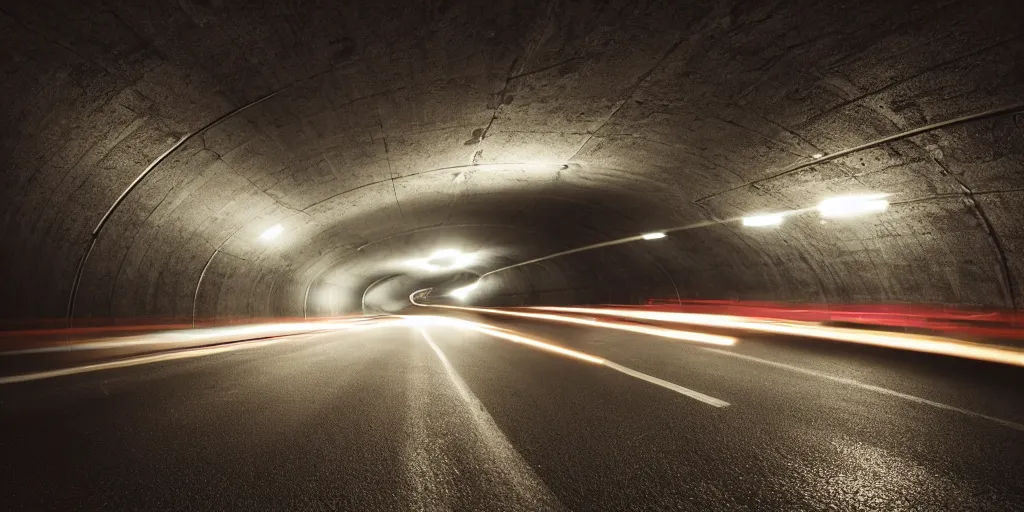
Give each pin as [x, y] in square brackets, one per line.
[666, 115]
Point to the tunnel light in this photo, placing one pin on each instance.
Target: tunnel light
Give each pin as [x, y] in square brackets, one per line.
[445, 259]
[764, 220]
[852, 206]
[272, 233]
[463, 292]
[653, 236]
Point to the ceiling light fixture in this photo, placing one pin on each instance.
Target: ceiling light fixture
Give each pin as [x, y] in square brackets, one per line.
[445, 259]
[764, 220]
[464, 292]
[272, 233]
[653, 236]
[852, 206]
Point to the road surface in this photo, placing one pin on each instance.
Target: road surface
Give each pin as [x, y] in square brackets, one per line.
[437, 417]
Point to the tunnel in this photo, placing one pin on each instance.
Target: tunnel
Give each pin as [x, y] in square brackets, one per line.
[204, 163]
[148, 147]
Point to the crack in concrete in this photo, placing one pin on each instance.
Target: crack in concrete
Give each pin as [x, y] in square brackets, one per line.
[631, 91]
[515, 69]
[387, 157]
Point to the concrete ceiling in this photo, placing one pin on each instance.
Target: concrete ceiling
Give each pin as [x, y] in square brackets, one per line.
[375, 132]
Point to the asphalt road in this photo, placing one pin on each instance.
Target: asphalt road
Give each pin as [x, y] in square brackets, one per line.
[383, 419]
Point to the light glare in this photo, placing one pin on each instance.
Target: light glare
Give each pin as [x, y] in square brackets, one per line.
[654, 236]
[852, 206]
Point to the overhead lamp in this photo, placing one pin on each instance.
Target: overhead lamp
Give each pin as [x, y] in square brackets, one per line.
[445, 259]
[852, 206]
[653, 236]
[463, 292]
[764, 220]
[272, 232]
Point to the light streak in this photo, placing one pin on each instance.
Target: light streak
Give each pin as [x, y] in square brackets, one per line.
[222, 345]
[697, 337]
[900, 341]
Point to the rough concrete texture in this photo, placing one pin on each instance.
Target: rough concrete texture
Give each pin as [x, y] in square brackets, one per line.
[395, 128]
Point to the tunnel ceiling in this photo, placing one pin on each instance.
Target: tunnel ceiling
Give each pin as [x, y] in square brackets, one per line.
[149, 144]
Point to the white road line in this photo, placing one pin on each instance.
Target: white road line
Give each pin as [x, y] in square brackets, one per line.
[869, 387]
[696, 395]
[457, 381]
[505, 463]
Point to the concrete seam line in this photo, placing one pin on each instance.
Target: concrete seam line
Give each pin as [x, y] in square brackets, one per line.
[869, 387]
[335, 261]
[195, 296]
[135, 183]
[199, 282]
[362, 300]
[996, 112]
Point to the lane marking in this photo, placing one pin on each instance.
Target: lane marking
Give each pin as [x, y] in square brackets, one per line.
[549, 347]
[457, 381]
[530, 490]
[696, 395]
[869, 387]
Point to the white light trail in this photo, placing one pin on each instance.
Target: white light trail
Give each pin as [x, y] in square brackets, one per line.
[661, 332]
[900, 341]
[653, 236]
[224, 338]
